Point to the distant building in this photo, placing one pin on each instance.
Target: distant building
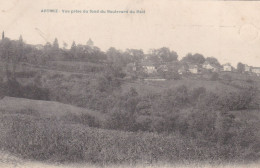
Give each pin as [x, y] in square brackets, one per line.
[131, 67]
[163, 68]
[148, 67]
[182, 70]
[256, 70]
[247, 68]
[193, 69]
[227, 67]
[90, 43]
[211, 67]
[39, 46]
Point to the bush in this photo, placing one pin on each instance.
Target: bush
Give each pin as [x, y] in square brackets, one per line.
[84, 119]
[25, 74]
[15, 89]
[237, 100]
[214, 76]
[227, 78]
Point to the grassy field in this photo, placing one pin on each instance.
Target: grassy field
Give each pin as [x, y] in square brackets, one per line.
[12, 105]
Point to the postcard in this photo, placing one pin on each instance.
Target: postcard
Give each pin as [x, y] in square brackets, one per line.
[129, 83]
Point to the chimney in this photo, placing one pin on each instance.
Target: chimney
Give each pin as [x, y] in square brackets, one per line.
[3, 35]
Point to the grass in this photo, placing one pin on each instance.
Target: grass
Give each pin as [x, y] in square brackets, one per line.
[44, 108]
[50, 140]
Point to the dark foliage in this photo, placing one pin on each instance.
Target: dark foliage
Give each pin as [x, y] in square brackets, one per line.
[13, 88]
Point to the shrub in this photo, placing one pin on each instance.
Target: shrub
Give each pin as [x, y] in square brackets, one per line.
[237, 100]
[227, 78]
[214, 76]
[84, 119]
[15, 89]
[121, 120]
[25, 74]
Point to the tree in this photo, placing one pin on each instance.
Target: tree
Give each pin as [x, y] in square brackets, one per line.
[240, 67]
[135, 55]
[65, 45]
[213, 61]
[55, 44]
[197, 59]
[11, 54]
[20, 53]
[7, 50]
[163, 55]
[166, 55]
[116, 57]
[47, 50]
[73, 50]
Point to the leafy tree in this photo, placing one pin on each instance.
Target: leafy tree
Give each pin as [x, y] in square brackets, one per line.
[213, 61]
[240, 67]
[11, 53]
[163, 55]
[47, 51]
[116, 57]
[197, 59]
[65, 45]
[20, 46]
[135, 55]
[73, 50]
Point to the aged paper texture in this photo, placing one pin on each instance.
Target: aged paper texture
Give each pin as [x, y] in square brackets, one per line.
[129, 83]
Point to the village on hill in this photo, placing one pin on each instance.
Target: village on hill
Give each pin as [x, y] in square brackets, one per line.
[157, 65]
[158, 71]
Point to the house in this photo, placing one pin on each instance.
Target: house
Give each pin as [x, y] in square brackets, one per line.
[163, 68]
[131, 67]
[148, 67]
[193, 69]
[227, 67]
[211, 67]
[39, 46]
[256, 70]
[182, 70]
[247, 68]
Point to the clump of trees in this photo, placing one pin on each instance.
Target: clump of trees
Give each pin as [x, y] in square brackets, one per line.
[11, 53]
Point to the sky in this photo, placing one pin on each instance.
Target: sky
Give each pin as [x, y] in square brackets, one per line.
[227, 30]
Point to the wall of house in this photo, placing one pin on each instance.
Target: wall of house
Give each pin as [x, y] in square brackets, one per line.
[227, 68]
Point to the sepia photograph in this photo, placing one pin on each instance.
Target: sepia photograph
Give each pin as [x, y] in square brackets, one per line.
[129, 84]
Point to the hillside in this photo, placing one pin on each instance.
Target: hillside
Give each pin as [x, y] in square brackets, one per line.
[40, 108]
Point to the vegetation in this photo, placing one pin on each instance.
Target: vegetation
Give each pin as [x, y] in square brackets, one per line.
[188, 117]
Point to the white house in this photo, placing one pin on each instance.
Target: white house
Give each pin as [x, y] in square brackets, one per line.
[209, 66]
[227, 67]
[39, 46]
[148, 67]
[247, 68]
[193, 69]
[182, 70]
[163, 68]
[256, 70]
